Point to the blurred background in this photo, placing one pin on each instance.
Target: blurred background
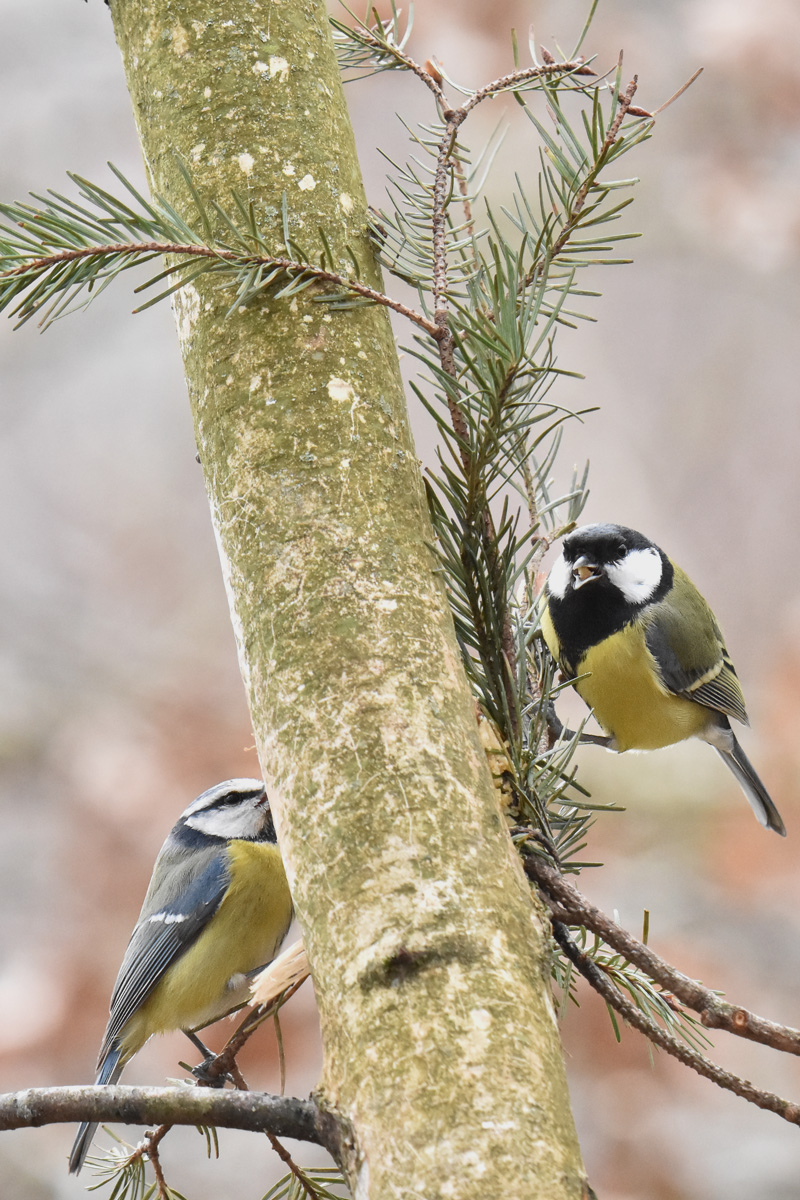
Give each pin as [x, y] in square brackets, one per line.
[121, 697]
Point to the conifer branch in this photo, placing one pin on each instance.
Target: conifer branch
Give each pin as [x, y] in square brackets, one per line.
[660, 1037]
[32, 268]
[714, 1012]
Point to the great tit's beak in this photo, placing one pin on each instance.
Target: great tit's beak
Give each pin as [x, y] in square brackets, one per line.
[584, 569]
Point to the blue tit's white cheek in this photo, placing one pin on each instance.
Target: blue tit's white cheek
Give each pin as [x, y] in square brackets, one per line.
[242, 820]
[637, 575]
[559, 578]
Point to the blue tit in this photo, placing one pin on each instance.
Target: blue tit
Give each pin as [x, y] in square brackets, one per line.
[644, 651]
[216, 911]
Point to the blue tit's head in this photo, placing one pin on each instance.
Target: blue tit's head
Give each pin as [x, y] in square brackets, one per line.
[237, 809]
[609, 563]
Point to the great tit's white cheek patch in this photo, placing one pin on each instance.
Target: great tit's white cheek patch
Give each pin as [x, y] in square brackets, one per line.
[559, 578]
[637, 575]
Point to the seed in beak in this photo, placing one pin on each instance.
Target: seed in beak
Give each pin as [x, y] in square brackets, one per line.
[584, 569]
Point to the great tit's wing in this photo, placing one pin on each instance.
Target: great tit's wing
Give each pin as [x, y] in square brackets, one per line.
[163, 932]
[683, 637]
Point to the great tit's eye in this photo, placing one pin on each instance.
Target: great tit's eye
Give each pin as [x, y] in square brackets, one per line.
[622, 550]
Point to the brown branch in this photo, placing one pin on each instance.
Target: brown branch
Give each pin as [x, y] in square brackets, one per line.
[300, 1175]
[224, 1063]
[466, 202]
[150, 1148]
[131, 249]
[714, 1013]
[507, 83]
[690, 1058]
[255, 1111]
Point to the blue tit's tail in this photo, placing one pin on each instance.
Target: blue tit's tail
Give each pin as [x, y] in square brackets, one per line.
[110, 1071]
[737, 761]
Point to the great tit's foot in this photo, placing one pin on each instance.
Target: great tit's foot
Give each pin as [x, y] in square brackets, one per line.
[559, 730]
[594, 739]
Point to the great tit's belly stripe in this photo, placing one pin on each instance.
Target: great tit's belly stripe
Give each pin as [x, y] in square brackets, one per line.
[629, 701]
[209, 979]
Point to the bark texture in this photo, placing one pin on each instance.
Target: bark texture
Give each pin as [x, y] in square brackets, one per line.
[430, 961]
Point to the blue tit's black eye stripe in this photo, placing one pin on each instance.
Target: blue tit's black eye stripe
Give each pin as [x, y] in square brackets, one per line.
[237, 797]
[156, 944]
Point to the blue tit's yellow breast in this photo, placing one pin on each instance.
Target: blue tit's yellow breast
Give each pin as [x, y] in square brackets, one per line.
[207, 981]
[630, 702]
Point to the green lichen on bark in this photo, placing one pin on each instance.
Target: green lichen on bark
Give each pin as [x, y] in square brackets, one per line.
[430, 960]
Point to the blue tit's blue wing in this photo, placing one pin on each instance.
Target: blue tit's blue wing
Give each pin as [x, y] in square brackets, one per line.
[163, 933]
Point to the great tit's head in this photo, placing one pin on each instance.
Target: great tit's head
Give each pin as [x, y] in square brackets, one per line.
[235, 809]
[608, 557]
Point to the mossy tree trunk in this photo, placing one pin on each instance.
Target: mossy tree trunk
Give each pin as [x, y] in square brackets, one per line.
[430, 960]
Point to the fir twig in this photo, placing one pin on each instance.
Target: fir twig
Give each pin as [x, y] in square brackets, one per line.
[14, 281]
[660, 1037]
[296, 1172]
[151, 1144]
[714, 1012]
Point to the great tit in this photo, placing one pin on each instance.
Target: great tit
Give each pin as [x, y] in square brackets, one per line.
[644, 651]
[216, 911]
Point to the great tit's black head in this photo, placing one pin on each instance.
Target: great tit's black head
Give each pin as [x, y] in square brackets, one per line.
[607, 559]
[236, 809]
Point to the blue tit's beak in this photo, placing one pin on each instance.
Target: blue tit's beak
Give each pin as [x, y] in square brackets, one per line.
[584, 569]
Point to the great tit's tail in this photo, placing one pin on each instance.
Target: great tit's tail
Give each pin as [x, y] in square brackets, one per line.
[109, 1072]
[737, 761]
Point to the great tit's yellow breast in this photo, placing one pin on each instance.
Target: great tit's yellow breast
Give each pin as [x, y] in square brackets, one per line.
[208, 980]
[549, 633]
[628, 698]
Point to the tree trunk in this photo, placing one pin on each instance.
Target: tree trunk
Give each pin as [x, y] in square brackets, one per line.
[430, 960]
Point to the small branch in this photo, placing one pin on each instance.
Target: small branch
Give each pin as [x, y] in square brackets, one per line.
[224, 1063]
[466, 203]
[132, 249]
[301, 1177]
[507, 83]
[714, 1012]
[690, 1058]
[409, 63]
[150, 1148]
[255, 1111]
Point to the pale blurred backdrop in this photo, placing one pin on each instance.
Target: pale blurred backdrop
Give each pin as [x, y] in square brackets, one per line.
[121, 697]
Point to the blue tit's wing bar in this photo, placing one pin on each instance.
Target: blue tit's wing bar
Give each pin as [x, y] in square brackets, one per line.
[159, 939]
